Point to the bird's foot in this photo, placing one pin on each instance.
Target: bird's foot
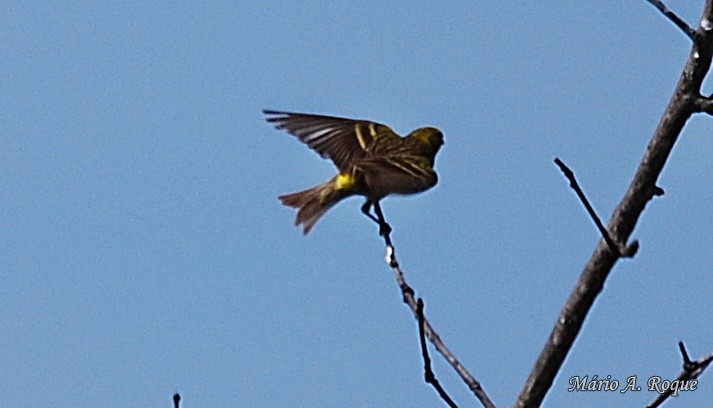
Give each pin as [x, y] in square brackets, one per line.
[384, 229]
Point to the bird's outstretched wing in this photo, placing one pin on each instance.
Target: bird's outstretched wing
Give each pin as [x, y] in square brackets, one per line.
[342, 140]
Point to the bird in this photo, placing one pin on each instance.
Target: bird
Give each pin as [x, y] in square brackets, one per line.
[372, 161]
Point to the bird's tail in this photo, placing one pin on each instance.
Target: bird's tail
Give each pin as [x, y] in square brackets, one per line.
[311, 204]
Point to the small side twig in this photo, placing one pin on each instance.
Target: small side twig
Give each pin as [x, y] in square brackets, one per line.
[409, 299]
[429, 376]
[687, 379]
[176, 400]
[704, 105]
[675, 19]
[613, 246]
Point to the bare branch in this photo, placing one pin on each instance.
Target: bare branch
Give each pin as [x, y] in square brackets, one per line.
[176, 400]
[429, 376]
[687, 379]
[409, 298]
[623, 221]
[675, 19]
[616, 248]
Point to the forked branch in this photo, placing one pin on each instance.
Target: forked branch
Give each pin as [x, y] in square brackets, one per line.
[687, 380]
[410, 299]
[624, 218]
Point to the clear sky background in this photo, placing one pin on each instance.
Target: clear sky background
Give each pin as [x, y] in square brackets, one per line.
[143, 250]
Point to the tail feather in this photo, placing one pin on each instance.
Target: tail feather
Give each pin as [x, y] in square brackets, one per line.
[311, 204]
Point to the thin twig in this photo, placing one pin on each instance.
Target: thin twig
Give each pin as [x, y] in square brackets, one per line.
[613, 246]
[176, 400]
[429, 376]
[686, 359]
[686, 380]
[409, 298]
[675, 19]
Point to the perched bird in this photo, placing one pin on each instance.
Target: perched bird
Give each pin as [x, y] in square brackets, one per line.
[373, 161]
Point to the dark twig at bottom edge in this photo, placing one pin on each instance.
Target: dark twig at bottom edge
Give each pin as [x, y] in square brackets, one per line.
[176, 400]
[429, 376]
[691, 371]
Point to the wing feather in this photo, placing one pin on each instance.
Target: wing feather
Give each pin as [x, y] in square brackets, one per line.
[342, 140]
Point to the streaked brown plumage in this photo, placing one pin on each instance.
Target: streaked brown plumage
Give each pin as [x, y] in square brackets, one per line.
[372, 159]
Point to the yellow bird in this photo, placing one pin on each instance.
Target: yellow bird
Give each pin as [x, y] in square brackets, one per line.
[373, 161]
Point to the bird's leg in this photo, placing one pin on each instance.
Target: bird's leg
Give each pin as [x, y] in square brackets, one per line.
[384, 227]
[384, 230]
[366, 209]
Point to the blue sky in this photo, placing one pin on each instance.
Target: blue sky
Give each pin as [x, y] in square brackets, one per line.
[144, 251]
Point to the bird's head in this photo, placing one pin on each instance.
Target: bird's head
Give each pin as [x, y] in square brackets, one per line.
[430, 136]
